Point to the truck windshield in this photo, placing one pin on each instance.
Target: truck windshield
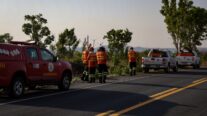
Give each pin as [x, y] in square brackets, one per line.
[157, 53]
[46, 55]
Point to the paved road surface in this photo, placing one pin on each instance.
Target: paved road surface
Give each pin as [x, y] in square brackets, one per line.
[153, 94]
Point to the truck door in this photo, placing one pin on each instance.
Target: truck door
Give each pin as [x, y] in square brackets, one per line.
[33, 64]
[50, 67]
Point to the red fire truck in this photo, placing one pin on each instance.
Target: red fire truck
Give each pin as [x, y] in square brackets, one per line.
[26, 65]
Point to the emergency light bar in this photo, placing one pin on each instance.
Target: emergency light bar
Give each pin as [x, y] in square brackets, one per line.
[21, 43]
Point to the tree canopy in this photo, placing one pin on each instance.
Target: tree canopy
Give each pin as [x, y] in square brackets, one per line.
[4, 38]
[118, 40]
[67, 43]
[187, 24]
[36, 29]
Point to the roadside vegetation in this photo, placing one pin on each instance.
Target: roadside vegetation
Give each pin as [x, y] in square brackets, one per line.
[186, 23]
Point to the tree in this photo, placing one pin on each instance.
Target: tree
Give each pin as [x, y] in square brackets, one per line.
[36, 29]
[168, 10]
[117, 40]
[85, 43]
[196, 30]
[67, 43]
[5, 38]
[53, 48]
[186, 23]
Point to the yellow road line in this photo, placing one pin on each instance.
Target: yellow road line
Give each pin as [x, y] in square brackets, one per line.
[199, 80]
[183, 88]
[143, 103]
[105, 113]
[156, 98]
[164, 92]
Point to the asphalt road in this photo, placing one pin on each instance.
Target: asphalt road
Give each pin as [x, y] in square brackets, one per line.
[153, 94]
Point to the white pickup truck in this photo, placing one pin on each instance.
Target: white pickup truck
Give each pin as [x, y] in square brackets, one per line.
[159, 59]
[188, 59]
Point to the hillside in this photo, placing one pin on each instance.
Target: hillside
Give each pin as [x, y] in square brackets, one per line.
[141, 49]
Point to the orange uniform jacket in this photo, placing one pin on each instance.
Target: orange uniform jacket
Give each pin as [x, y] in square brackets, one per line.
[132, 56]
[91, 60]
[101, 57]
[85, 56]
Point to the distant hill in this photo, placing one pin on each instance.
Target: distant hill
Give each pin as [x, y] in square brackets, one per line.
[141, 49]
[202, 49]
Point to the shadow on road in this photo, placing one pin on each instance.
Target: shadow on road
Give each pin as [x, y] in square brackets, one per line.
[186, 71]
[94, 101]
[202, 71]
[90, 100]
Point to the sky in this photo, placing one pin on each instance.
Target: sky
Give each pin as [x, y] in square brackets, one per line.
[93, 18]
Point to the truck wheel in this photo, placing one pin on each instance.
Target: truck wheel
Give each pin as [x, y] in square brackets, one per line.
[17, 87]
[65, 82]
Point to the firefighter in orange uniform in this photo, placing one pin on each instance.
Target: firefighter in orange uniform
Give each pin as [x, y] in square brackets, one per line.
[102, 68]
[132, 57]
[85, 64]
[91, 64]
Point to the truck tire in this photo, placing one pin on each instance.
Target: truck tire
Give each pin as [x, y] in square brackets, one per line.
[16, 88]
[65, 82]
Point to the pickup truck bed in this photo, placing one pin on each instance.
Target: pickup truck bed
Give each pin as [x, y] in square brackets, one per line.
[188, 59]
[159, 59]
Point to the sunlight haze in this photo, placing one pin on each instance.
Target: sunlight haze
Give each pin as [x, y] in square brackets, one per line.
[93, 18]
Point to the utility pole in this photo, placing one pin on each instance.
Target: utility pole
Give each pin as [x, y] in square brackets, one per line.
[93, 42]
